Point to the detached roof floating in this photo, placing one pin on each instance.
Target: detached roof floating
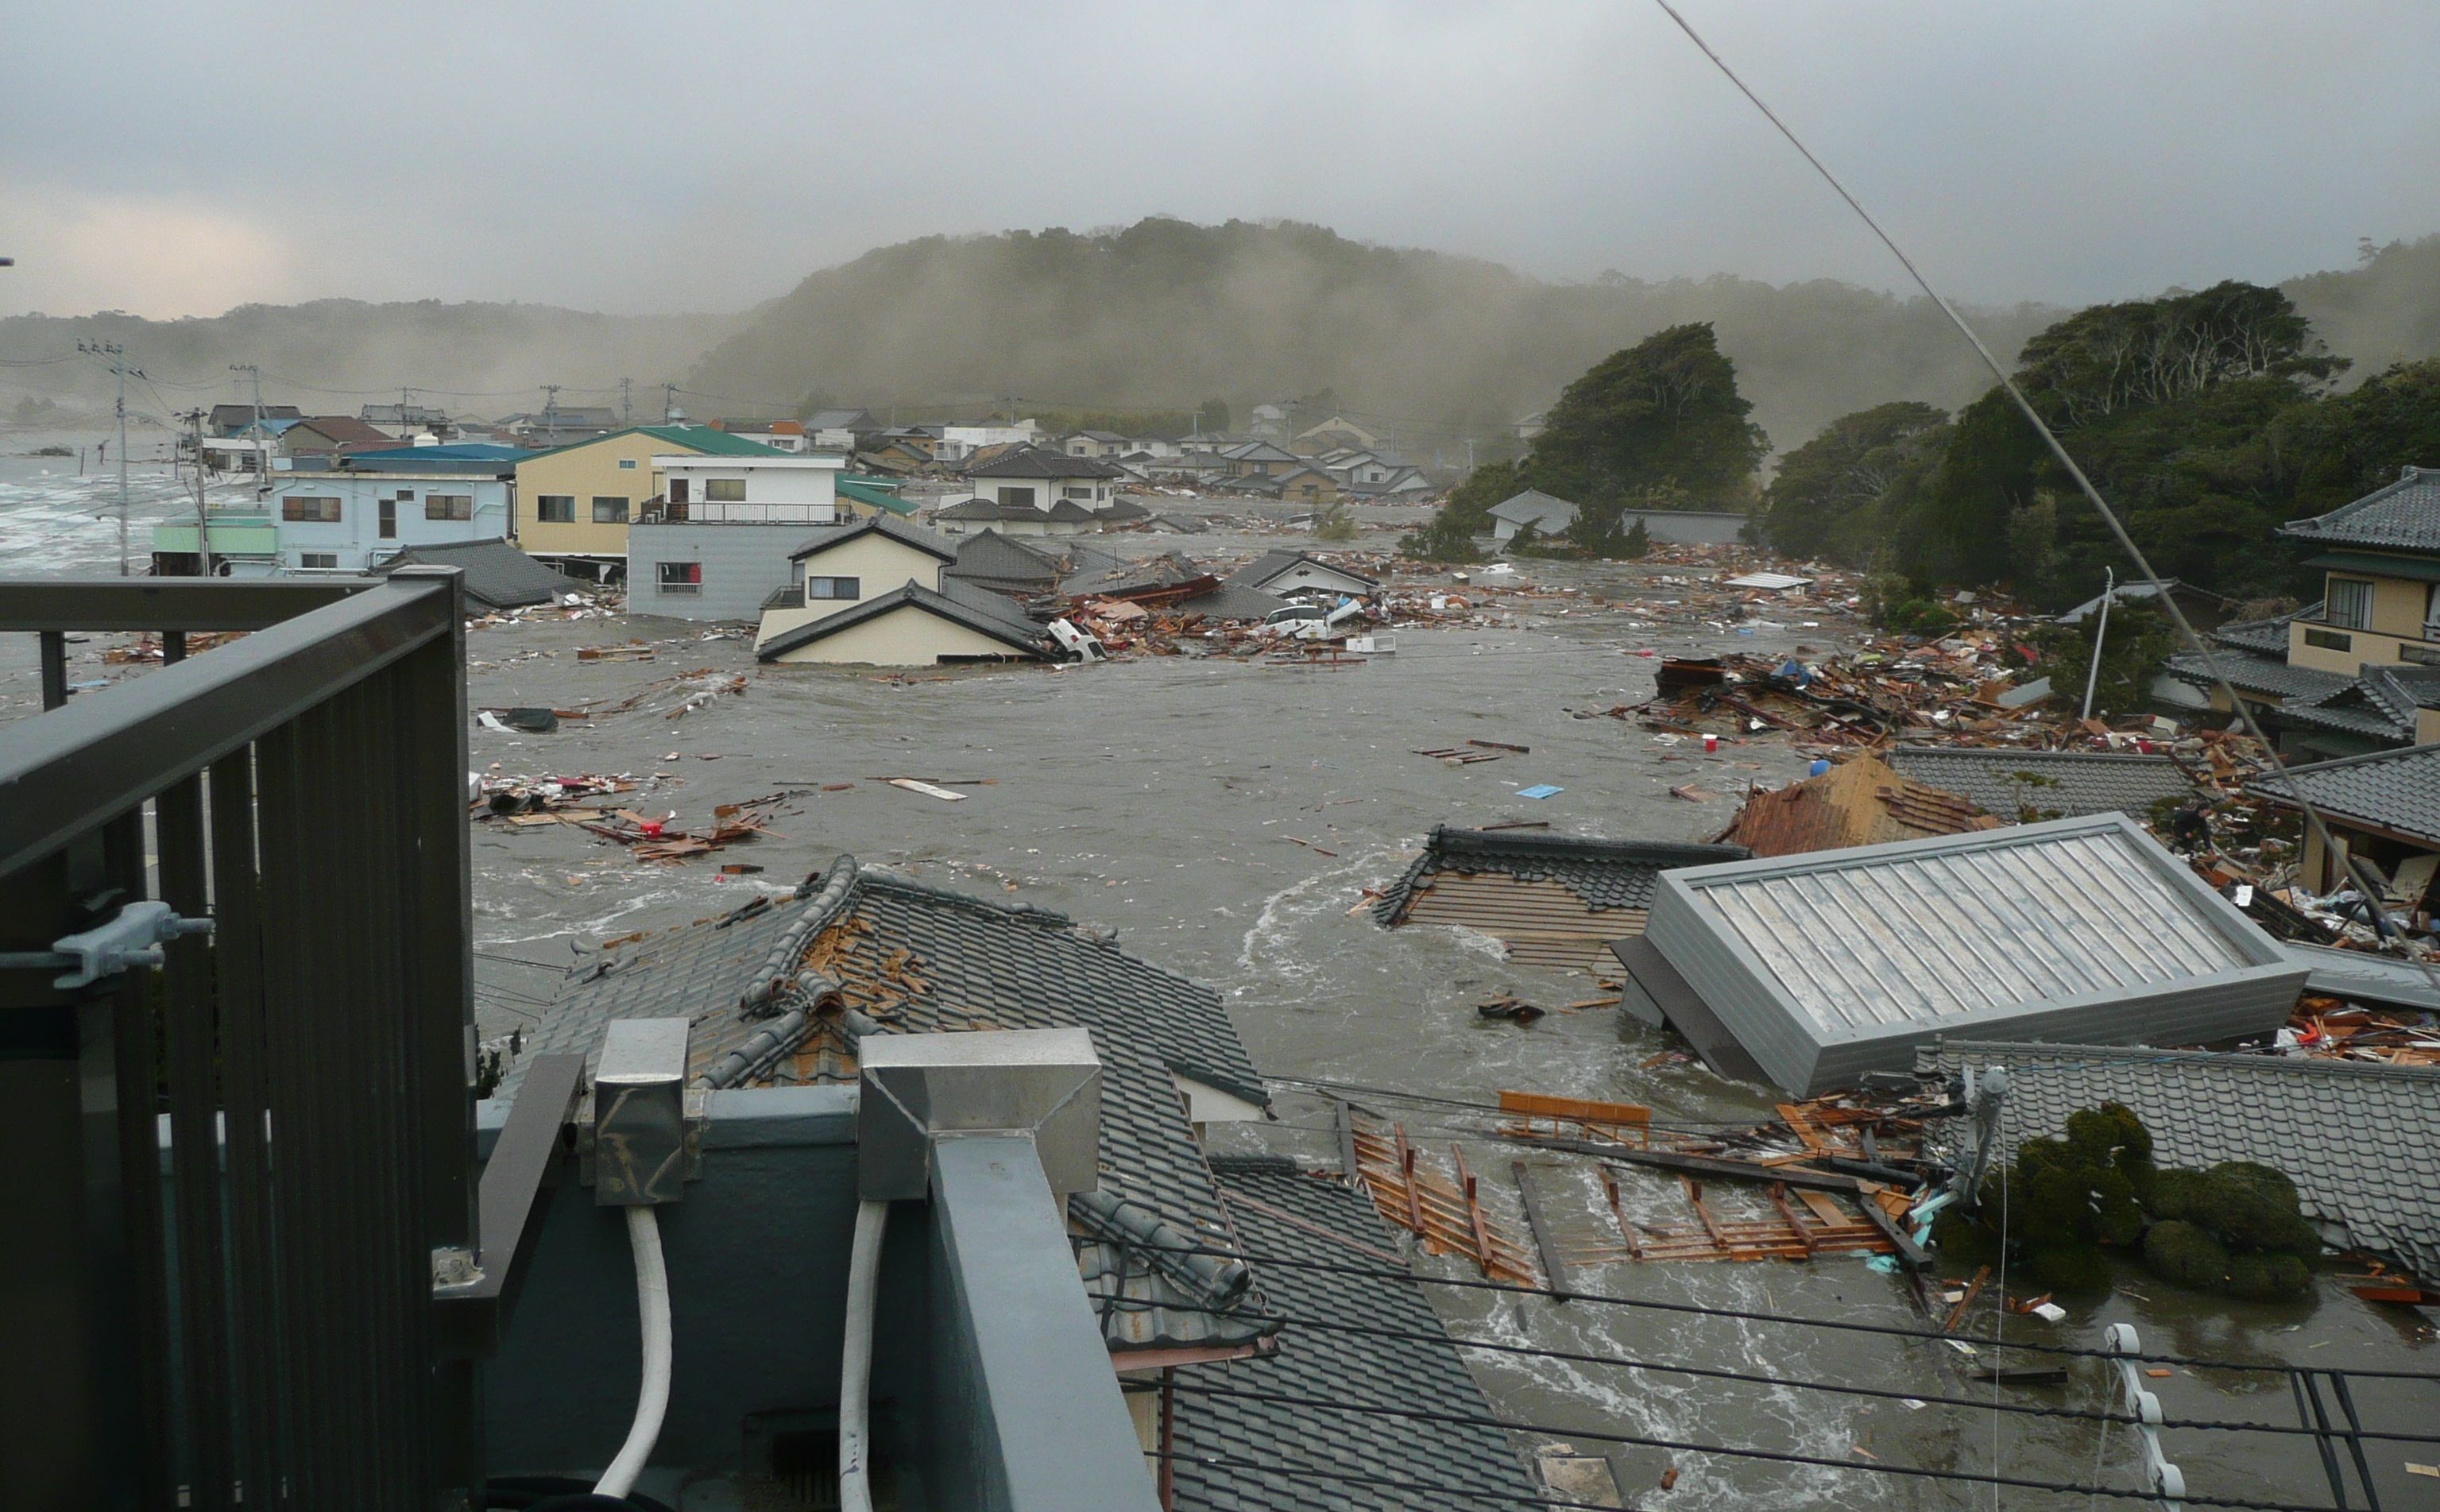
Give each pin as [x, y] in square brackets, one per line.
[1829, 966]
[1552, 899]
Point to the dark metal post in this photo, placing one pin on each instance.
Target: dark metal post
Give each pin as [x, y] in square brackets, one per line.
[54, 646]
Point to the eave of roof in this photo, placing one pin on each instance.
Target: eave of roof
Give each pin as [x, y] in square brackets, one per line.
[906, 595]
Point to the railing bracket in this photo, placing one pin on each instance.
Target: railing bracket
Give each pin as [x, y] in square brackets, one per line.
[131, 938]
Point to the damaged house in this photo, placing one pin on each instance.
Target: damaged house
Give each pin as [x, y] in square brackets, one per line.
[877, 593]
[1553, 900]
[1809, 971]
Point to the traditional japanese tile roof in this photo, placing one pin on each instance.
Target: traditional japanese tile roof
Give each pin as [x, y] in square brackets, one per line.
[2266, 676]
[2402, 517]
[1391, 1464]
[1038, 462]
[2393, 790]
[888, 524]
[699, 439]
[991, 559]
[1231, 600]
[497, 574]
[1604, 873]
[1544, 512]
[2266, 637]
[2368, 705]
[2360, 1142]
[1132, 575]
[783, 990]
[2051, 784]
[976, 608]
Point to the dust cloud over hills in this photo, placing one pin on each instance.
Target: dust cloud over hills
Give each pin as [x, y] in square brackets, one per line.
[1427, 347]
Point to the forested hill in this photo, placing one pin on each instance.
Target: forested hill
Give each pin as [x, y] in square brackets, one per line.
[1167, 314]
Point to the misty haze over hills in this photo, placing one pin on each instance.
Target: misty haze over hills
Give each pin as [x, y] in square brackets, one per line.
[1160, 314]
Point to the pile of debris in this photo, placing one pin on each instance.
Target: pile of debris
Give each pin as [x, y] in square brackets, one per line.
[586, 802]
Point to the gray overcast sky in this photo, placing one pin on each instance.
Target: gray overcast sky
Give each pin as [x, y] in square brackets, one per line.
[175, 159]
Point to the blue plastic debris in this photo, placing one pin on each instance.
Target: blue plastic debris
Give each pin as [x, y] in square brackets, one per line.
[1886, 1264]
[1821, 765]
[1539, 790]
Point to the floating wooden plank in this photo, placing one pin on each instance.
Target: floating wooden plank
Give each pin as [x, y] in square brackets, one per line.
[1966, 1303]
[1410, 1193]
[1704, 1165]
[916, 784]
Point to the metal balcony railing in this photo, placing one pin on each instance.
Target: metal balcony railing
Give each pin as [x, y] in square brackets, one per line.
[233, 1177]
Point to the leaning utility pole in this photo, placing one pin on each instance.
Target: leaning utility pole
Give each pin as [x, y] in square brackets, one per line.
[262, 453]
[117, 355]
[194, 419]
[2108, 591]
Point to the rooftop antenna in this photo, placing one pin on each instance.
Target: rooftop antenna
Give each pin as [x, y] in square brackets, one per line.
[117, 355]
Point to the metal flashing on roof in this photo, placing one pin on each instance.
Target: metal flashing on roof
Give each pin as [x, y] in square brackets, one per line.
[1831, 964]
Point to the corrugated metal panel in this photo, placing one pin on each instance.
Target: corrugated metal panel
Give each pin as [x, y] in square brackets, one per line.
[1944, 935]
[1541, 921]
[741, 565]
[1827, 965]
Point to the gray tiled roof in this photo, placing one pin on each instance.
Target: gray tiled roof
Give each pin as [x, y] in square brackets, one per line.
[2257, 675]
[2053, 784]
[1128, 575]
[2404, 515]
[960, 603]
[499, 574]
[1036, 461]
[1232, 601]
[2266, 637]
[909, 958]
[2396, 790]
[2360, 1142]
[1605, 874]
[1462, 1464]
[891, 525]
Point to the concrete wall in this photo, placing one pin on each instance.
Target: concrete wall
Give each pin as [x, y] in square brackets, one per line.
[743, 565]
[905, 637]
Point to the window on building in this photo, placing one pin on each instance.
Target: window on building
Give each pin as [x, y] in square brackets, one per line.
[555, 509]
[681, 577]
[834, 588]
[2431, 614]
[318, 508]
[2329, 640]
[1068, 490]
[609, 510]
[318, 559]
[1017, 495]
[626, 464]
[725, 489]
[2350, 605]
[448, 505]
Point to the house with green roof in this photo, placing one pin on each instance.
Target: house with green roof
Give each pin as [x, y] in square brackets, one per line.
[574, 503]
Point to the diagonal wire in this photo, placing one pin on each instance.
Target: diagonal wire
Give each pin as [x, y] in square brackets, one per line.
[2101, 506]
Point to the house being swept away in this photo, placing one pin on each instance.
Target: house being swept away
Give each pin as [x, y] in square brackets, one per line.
[2346, 674]
[877, 593]
[1292, 573]
[1549, 516]
[1553, 900]
[2360, 1142]
[1546, 514]
[2026, 785]
[1812, 971]
[498, 575]
[1861, 801]
[2383, 809]
[794, 992]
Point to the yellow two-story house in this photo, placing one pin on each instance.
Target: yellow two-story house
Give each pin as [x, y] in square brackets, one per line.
[2361, 670]
[574, 502]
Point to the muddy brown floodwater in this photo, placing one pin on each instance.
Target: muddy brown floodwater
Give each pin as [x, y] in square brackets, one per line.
[1161, 798]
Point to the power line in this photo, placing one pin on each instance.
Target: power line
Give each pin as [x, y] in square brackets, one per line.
[1833, 1388]
[1403, 1482]
[1420, 1414]
[1697, 1309]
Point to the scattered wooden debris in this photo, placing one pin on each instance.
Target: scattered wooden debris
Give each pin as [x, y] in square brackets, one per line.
[1446, 1214]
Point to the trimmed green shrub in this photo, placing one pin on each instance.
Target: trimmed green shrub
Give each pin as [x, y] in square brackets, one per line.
[2178, 1251]
[2266, 1277]
[2254, 1207]
[2070, 1266]
[1963, 1240]
[2172, 1193]
[2116, 1218]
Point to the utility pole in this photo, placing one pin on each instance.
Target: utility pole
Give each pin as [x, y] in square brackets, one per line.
[550, 413]
[262, 453]
[117, 355]
[194, 419]
[406, 403]
[669, 404]
[2108, 591]
[626, 403]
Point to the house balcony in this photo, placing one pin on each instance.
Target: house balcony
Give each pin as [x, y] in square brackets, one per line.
[427, 1295]
[727, 511]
